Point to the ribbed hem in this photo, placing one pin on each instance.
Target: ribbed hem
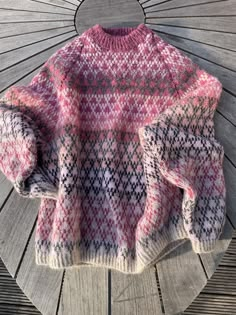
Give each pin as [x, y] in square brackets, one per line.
[118, 39]
[165, 243]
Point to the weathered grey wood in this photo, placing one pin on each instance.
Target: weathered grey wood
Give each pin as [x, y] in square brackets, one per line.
[215, 23]
[85, 291]
[220, 56]
[16, 222]
[5, 188]
[14, 74]
[221, 8]
[26, 80]
[35, 6]
[18, 310]
[211, 260]
[11, 295]
[108, 13]
[16, 42]
[12, 57]
[135, 294]
[173, 4]
[57, 3]
[15, 29]
[221, 40]
[41, 284]
[207, 304]
[147, 1]
[181, 278]
[227, 106]
[225, 133]
[230, 181]
[221, 284]
[226, 76]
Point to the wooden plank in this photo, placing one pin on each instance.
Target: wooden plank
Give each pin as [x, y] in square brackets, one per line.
[13, 57]
[16, 42]
[226, 76]
[181, 278]
[221, 40]
[173, 4]
[147, 1]
[220, 56]
[215, 23]
[212, 304]
[230, 182]
[5, 188]
[114, 13]
[85, 291]
[16, 222]
[135, 294]
[13, 29]
[14, 74]
[227, 106]
[57, 3]
[18, 310]
[26, 80]
[41, 284]
[37, 6]
[26, 16]
[221, 8]
[225, 133]
[211, 260]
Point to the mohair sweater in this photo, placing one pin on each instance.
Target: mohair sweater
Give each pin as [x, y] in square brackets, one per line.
[115, 135]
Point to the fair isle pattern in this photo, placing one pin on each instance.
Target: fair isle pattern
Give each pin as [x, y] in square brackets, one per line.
[115, 134]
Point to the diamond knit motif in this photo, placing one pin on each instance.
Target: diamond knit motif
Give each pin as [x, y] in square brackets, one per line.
[115, 135]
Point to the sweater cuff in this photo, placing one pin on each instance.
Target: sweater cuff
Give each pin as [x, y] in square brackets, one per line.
[205, 246]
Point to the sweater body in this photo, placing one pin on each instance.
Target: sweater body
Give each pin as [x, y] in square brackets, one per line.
[109, 135]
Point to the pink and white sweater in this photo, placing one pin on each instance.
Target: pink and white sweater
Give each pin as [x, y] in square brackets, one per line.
[115, 135]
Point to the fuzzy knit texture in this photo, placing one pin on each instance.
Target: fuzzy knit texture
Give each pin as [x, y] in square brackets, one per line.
[115, 135]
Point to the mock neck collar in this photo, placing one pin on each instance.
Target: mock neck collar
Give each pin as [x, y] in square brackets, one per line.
[118, 38]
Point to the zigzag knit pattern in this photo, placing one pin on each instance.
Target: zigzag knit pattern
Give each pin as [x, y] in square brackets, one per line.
[115, 135]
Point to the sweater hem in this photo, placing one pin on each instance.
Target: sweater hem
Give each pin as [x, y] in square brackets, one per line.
[146, 254]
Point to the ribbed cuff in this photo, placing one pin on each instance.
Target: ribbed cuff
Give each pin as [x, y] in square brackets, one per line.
[205, 246]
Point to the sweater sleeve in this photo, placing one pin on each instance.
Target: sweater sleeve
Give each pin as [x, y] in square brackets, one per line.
[186, 152]
[25, 118]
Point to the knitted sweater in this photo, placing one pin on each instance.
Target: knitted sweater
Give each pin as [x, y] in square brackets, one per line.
[115, 135]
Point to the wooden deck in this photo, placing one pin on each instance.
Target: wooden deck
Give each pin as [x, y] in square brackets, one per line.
[184, 283]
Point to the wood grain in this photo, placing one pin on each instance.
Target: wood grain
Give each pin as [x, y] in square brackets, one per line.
[36, 6]
[108, 13]
[5, 189]
[226, 76]
[10, 58]
[230, 181]
[211, 260]
[19, 41]
[16, 222]
[216, 39]
[85, 291]
[9, 30]
[215, 23]
[135, 294]
[41, 284]
[220, 8]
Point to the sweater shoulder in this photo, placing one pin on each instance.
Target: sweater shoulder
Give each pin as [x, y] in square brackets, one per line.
[62, 59]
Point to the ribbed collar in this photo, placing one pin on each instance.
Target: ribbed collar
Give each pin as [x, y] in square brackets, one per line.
[119, 38]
